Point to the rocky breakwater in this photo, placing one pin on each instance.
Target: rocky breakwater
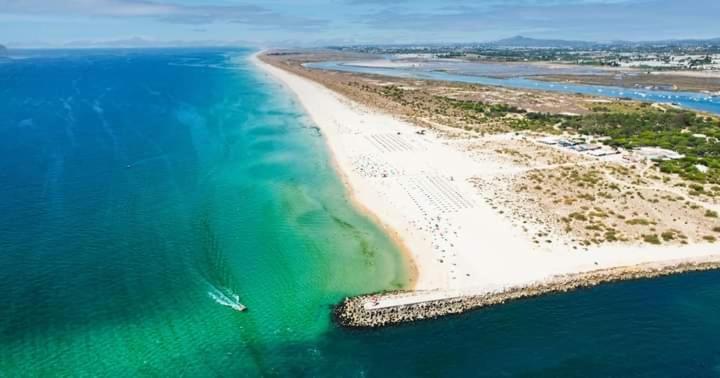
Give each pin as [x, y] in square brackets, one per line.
[378, 310]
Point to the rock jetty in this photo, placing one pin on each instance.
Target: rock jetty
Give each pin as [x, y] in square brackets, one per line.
[355, 312]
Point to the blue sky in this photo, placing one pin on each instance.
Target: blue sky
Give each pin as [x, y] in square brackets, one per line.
[321, 22]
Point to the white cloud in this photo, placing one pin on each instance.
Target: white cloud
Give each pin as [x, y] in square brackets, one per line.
[166, 12]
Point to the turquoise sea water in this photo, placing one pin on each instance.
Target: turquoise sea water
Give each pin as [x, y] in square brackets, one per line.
[691, 100]
[140, 191]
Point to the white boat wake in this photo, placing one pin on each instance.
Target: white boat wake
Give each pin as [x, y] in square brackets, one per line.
[226, 297]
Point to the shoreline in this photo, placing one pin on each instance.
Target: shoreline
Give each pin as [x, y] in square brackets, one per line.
[389, 231]
[461, 246]
[394, 235]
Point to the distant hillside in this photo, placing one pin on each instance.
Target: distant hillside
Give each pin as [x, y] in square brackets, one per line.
[3, 50]
[520, 41]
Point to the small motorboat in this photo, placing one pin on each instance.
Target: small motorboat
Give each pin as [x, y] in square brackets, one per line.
[236, 305]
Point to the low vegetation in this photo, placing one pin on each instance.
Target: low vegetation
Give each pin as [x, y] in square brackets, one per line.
[594, 210]
[693, 135]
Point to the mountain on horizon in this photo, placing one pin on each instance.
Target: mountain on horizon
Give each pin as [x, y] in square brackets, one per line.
[522, 41]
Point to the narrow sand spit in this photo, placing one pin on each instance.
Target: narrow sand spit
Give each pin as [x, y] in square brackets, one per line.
[419, 186]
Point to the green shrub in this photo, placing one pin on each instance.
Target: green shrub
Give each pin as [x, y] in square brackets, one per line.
[638, 221]
[652, 239]
[668, 235]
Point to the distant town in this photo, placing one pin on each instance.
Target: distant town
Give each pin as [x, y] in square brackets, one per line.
[699, 55]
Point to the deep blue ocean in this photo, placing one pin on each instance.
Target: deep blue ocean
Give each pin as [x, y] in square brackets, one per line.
[144, 192]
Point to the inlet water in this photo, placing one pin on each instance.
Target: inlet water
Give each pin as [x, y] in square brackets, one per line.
[690, 100]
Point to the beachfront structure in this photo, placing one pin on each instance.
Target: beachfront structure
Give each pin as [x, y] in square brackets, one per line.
[586, 147]
[568, 142]
[603, 152]
[550, 140]
[702, 168]
[656, 153]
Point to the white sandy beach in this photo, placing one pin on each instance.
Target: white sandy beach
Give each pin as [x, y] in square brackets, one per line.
[418, 186]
